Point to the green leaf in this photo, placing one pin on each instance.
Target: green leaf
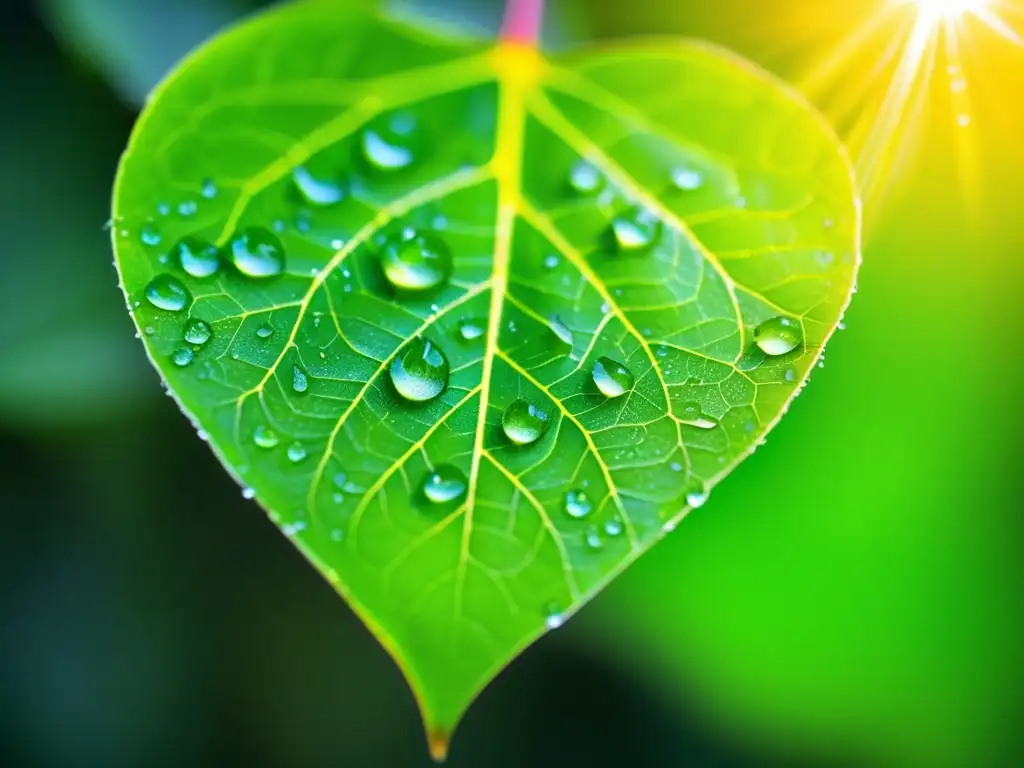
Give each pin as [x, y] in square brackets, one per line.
[483, 326]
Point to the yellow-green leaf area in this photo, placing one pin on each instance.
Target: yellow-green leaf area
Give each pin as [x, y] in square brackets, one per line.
[474, 326]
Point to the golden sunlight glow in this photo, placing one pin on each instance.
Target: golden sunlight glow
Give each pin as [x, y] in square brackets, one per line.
[948, 10]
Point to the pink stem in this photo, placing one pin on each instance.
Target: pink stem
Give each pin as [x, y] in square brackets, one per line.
[522, 21]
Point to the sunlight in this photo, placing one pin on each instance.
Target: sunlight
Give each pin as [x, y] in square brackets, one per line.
[935, 11]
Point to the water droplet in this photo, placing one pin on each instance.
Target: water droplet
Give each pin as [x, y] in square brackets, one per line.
[264, 331]
[163, 209]
[296, 452]
[585, 179]
[613, 527]
[391, 143]
[471, 328]
[168, 293]
[561, 330]
[419, 371]
[444, 484]
[196, 256]
[256, 252]
[248, 493]
[523, 422]
[692, 415]
[577, 504]
[300, 382]
[316, 191]
[149, 234]
[789, 374]
[182, 356]
[265, 437]
[778, 336]
[593, 538]
[551, 261]
[188, 207]
[198, 332]
[612, 377]
[553, 616]
[696, 497]
[209, 190]
[636, 231]
[687, 179]
[416, 261]
[675, 466]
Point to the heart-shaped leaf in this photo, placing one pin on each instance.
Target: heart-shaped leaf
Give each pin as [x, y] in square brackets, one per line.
[477, 327]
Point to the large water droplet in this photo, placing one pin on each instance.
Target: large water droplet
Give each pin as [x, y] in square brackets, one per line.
[391, 143]
[182, 356]
[585, 179]
[691, 413]
[296, 452]
[257, 252]
[196, 256]
[778, 336]
[636, 231]
[523, 422]
[419, 371]
[300, 382]
[612, 377]
[150, 234]
[316, 191]
[416, 261]
[444, 484]
[168, 293]
[265, 437]
[197, 332]
[471, 328]
[577, 504]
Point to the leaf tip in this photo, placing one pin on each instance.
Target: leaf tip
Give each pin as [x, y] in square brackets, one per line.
[438, 742]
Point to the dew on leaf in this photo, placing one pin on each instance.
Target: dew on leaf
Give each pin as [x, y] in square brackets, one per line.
[585, 179]
[613, 527]
[523, 422]
[296, 452]
[419, 371]
[182, 356]
[687, 179]
[445, 483]
[471, 328]
[316, 191]
[561, 330]
[168, 293]
[197, 332]
[264, 331]
[577, 504]
[150, 234]
[553, 616]
[593, 538]
[612, 377]
[778, 336]
[695, 498]
[691, 413]
[257, 252]
[416, 261]
[197, 257]
[300, 381]
[209, 189]
[636, 231]
[265, 437]
[188, 207]
[391, 143]
[248, 493]
[551, 261]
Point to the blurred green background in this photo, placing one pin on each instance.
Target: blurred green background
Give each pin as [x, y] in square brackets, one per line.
[852, 596]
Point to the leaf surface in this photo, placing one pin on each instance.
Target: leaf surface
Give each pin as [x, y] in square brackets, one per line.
[598, 247]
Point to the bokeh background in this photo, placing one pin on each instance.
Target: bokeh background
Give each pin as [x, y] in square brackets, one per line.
[852, 596]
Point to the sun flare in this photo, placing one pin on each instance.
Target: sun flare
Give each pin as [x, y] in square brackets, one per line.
[949, 10]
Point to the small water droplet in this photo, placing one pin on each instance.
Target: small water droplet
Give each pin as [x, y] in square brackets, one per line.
[636, 231]
[523, 422]
[248, 493]
[198, 332]
[418, 261]
[182, 356]
[196, 256]
[593, 538]
[316, 319]
[789, 374]
[149, 234]
[163, 209]
[612, 377]
[696, 497]
[472, 328]
[613, 526]
[444, 484]
[296, 452]
[692, 415]
[675, 466]
[551, 261]
[149, 330]
[687, 179]
[561, 330]
[264, 331]
[585, 179]
[577, 504]
[391, 143]
[265, 437]
[316, 191]
[188, 208]
[340, 479]
[279, 225]
[257, 252]
[300, 382]
[419, 371]
[778, 336]
[168, 293]
[209, 190]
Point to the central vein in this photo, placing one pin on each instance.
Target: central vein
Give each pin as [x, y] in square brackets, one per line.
[518, 68]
